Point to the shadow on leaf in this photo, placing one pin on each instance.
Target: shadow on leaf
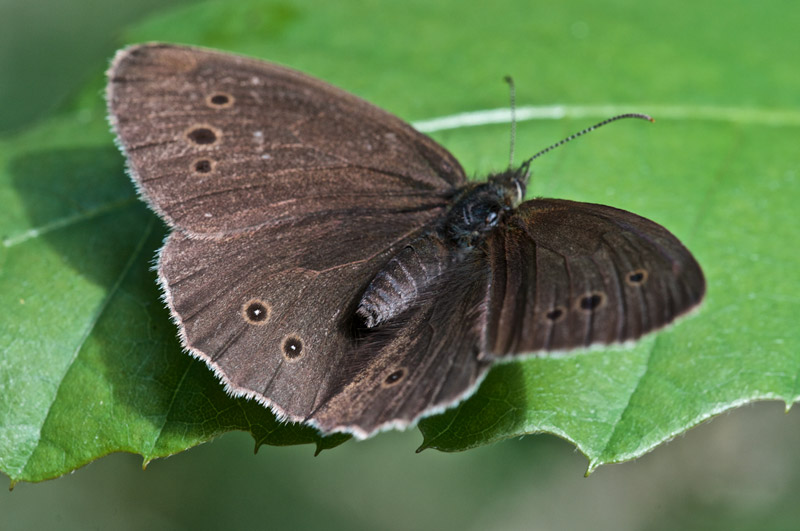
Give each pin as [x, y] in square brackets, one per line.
[496, 409]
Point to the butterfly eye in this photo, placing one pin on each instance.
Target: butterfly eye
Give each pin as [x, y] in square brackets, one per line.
[493, 216]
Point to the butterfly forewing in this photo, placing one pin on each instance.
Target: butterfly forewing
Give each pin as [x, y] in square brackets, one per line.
[221, 144]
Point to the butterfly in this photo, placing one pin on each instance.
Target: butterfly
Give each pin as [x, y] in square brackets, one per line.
[333, 263]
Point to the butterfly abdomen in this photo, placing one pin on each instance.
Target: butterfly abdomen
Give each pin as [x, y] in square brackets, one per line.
[404, 278]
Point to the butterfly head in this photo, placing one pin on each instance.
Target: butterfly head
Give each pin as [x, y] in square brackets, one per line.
[512, 184]
[482, 207]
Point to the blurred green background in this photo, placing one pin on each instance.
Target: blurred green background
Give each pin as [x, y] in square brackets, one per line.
[741, 471]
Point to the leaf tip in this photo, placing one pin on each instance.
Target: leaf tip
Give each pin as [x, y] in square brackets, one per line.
[426, 443]
[428, 440]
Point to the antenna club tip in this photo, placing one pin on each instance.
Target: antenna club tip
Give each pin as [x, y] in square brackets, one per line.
[651, 119]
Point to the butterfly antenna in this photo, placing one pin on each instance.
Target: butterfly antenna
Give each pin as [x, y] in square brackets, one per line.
[588, 129]
[513, 104]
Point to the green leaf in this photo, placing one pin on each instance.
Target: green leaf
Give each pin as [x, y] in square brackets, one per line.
[89, 362]
[731, 198]
[90, 359]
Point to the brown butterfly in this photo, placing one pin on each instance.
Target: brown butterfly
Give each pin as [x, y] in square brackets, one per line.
[333, 263]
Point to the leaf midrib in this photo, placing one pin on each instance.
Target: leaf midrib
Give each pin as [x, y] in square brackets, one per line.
[66, 221]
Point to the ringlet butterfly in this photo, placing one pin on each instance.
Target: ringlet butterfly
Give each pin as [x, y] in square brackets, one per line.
[333, 263]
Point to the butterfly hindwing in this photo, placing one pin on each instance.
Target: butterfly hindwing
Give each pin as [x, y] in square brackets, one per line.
[567, 275]
[240, 310]
[424, 361]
